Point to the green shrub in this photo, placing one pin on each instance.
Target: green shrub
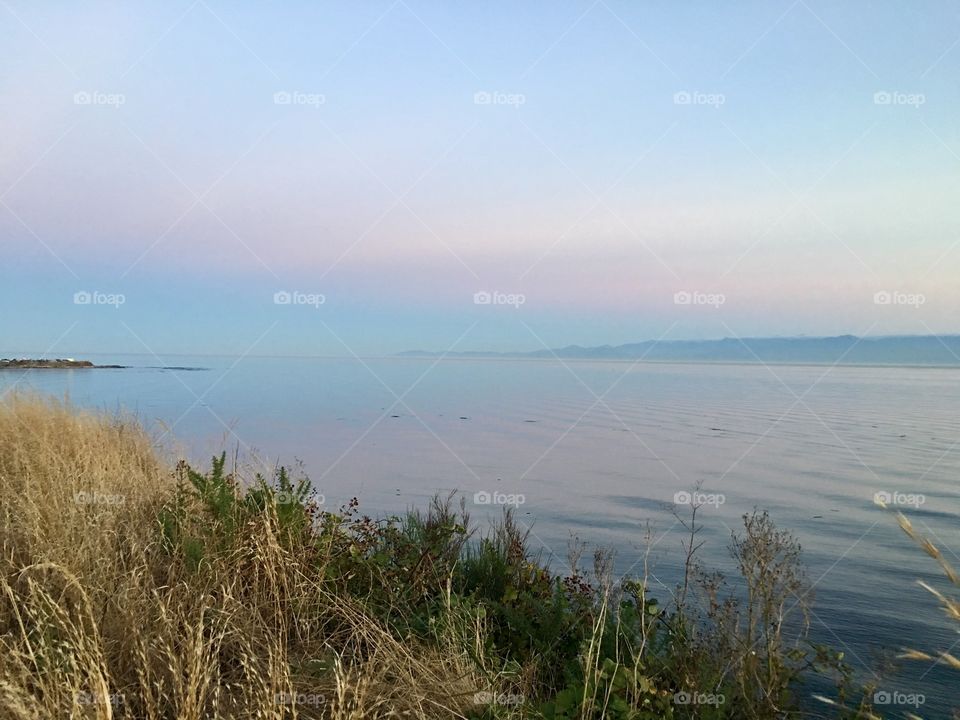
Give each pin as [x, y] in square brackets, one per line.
[576, 647]
[208, 509]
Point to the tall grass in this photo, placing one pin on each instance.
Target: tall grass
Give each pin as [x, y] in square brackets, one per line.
[100, 620]
[949, 605]
[135, 588]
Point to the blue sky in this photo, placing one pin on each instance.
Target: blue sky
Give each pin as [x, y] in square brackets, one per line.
[778, 164]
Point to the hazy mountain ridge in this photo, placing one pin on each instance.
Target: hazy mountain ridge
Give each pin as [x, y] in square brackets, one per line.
[841, 349]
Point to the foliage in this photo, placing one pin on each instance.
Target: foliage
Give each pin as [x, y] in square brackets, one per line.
[209, 594]
[578, 646]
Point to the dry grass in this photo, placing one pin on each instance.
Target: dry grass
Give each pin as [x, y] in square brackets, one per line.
[97, 622]
[950, 606]
[128, 592]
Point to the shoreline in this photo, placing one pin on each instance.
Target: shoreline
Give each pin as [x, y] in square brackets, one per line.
[433, 598]
[507, 359]
[56, 364]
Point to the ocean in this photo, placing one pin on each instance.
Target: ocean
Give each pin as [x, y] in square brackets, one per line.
[601, 451]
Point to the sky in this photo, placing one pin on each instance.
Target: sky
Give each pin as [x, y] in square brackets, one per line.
[311, 178]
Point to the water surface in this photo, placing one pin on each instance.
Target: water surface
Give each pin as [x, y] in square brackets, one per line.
[598, 449]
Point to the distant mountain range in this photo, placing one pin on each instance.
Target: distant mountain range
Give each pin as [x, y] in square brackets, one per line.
[842, 349]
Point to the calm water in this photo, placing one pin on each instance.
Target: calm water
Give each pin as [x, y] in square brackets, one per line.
[597, 449]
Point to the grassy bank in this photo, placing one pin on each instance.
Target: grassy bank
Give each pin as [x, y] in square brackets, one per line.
[133, 589]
